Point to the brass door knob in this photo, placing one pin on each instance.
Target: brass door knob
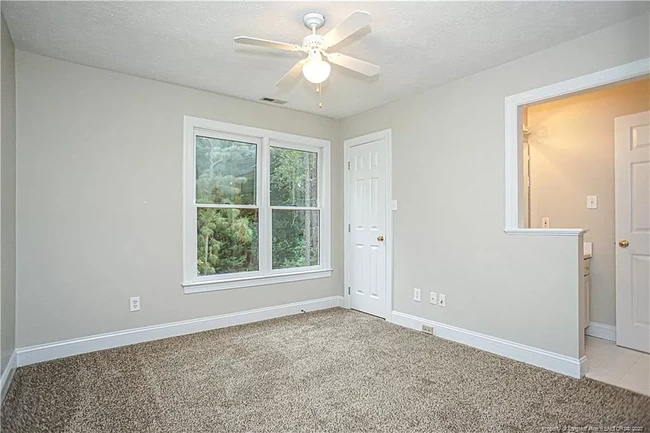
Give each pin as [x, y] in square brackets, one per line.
[623, 243]
[380, 238]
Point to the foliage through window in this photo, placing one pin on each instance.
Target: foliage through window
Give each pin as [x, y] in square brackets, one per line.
[258, 205]
[294, 204]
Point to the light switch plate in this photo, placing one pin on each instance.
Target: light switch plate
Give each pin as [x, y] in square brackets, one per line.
[592, 202]
[433, 298]
[393, 205]
[546, 222]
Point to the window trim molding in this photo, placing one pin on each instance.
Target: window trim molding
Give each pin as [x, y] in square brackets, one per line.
[192, 283]
[514, 105]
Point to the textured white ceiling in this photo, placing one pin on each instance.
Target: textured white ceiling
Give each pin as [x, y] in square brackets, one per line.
[417, 44]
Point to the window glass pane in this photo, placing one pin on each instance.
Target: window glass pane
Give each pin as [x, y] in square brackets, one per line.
[295, 238]
[227, 240]
[294, 177]
[226, 171]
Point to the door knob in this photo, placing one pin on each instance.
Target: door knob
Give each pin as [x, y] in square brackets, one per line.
[380, 238]
[623, 243]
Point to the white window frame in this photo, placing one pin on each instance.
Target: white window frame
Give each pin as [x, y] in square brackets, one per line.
[265, 139]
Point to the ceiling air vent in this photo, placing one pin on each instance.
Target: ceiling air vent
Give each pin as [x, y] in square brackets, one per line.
[273, 100]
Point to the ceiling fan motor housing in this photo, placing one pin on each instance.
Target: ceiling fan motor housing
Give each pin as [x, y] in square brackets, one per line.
[312, 42]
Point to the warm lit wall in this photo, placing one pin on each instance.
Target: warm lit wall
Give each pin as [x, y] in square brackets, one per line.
[8, 197]
[448, 176]
[100, 159]
[572, 156]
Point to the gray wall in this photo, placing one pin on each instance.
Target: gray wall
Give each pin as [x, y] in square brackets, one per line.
[448, 176]
[100, 201]
[572, 156]
[7, 197]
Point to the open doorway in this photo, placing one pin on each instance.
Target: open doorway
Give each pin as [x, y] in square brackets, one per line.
[586, 165]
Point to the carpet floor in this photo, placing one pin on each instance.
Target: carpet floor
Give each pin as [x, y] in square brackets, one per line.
[327, 371]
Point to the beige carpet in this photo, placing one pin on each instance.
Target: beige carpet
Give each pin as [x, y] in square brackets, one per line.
[328, 371]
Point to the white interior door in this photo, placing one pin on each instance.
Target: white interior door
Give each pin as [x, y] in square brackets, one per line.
[367, 251]
[633, 231]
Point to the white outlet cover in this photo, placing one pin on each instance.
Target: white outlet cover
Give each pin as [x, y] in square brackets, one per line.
[416, 294]
[592, 202]
[134, 303]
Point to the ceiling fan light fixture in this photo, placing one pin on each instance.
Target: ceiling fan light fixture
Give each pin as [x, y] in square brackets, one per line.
[316, 70]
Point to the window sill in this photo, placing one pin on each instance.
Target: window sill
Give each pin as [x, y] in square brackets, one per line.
[237, 283]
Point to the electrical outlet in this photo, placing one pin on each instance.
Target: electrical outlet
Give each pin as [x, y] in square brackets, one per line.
[416, 294]
[134, 302]
[433, 298]
[427, 329]
[442, 300]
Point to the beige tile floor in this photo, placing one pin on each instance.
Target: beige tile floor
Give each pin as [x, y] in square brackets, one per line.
[617, 366]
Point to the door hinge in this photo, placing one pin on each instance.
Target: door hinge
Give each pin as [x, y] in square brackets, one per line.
[348, 228]
[348, 165]
[348, 290]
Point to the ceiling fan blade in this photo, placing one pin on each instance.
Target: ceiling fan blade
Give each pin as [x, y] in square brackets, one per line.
[352, 24]
[290, 77]
[354, 64]
[266, 43]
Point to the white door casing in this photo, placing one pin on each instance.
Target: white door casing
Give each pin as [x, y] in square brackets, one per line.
[632, 155]
[368, 258]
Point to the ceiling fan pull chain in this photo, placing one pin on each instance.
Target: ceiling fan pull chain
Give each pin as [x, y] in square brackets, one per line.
[319, 90]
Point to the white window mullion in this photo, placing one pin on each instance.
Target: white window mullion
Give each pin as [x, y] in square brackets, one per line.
[325, 228]
[264, 188]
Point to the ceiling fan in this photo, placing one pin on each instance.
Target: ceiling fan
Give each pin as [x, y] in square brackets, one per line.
[316, 67]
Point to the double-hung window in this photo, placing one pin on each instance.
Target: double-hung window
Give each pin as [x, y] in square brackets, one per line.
[256, 206]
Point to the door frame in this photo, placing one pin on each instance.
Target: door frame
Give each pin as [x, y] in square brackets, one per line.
[347, 145]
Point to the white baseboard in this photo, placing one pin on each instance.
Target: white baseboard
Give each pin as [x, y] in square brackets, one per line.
[601, 330]
[62, 349]
[583, 366]
[7, 375]
[530, 355]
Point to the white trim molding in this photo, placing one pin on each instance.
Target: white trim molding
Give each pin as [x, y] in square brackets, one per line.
[208, 286]
[573, 367]
[514, 105]
[263, 140]
[546, 232]
[347, 145]
[601, 330]
[92, 343]
[7, 376]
